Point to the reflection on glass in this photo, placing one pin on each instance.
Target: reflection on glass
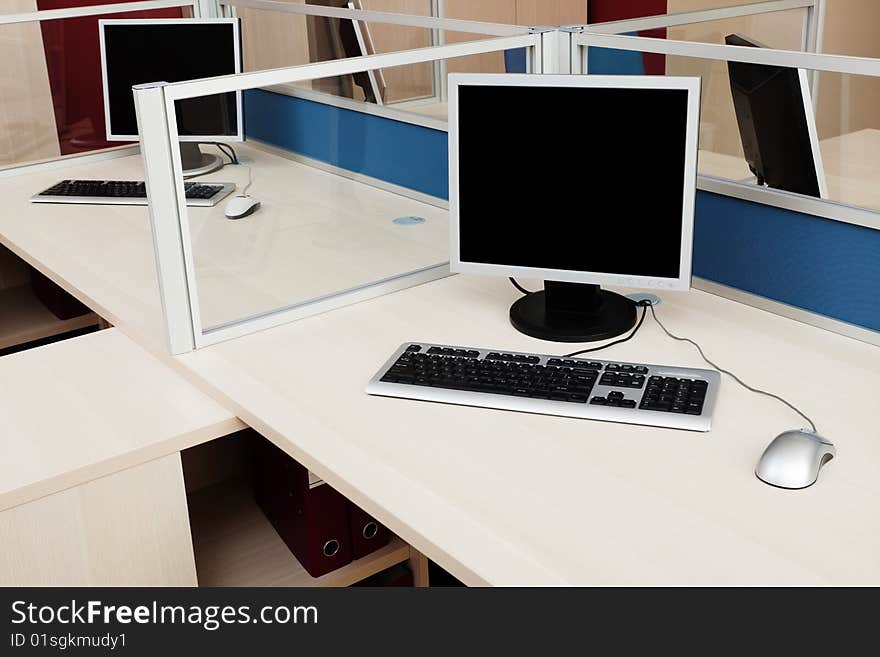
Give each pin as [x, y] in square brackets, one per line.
[847, 126]
[315, 234]
[51, 97]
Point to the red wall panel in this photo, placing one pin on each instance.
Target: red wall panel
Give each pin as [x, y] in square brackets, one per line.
[601, 11]
[73, 59]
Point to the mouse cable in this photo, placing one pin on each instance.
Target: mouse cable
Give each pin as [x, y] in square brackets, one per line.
[729, 373]
[235, 161]
[250, 179]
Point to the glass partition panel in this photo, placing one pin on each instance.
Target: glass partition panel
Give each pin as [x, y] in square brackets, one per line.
[777, 127]
[851, 27]
[321, 228]
[51, 91]
[783, 30]
[273, 39]
[506, 61]
[849, 137]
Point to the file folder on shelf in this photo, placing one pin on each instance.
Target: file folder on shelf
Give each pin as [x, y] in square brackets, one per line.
[367, 533]
[309, 516]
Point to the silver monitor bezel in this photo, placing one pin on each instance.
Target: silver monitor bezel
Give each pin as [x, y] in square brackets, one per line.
[112, 136]
[689, 84]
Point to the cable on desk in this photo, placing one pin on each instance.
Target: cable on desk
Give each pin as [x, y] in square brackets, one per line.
[231, 154]
[250, 170]
[644, 305]
[233, 159]
[729, 373]
[519, 287]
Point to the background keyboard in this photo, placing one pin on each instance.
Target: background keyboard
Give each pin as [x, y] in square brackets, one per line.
[127, 192]
[634, 393]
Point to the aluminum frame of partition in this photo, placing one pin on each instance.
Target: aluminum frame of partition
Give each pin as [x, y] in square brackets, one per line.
[163, 174]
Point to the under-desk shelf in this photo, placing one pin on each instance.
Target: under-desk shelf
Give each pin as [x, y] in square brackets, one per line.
[235, 545]
[24, 318]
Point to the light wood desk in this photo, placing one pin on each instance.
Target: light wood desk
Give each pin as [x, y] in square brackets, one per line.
[507, 498]
[315, 233]
[91, 487]
[104, 256]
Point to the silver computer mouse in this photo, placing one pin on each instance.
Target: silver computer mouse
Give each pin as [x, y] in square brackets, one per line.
[793, 459]
[241, 206]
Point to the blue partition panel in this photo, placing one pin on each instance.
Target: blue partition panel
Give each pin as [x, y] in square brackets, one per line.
[608, 61]
[817, 264]
[823, 266]
[515, 61]
[401, 153]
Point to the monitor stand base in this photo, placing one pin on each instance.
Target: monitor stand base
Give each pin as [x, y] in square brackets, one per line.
[195, 163]
[573, 312]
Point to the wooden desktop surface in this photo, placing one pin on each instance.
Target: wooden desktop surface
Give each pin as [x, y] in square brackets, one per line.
[315, 233]
[84, 408]
[509, 498]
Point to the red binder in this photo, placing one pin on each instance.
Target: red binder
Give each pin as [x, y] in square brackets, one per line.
[367, 533]
[308, 514]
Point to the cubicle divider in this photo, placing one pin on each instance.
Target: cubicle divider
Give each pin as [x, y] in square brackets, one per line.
[397, 152]
[795, 255]
[211, 289]
[814, 259]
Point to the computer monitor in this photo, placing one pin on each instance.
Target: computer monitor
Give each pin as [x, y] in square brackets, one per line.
[139, 51]
[581, 181]
[777, 124]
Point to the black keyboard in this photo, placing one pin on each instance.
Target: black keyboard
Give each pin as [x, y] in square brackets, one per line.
[129, 192]
[577, 387]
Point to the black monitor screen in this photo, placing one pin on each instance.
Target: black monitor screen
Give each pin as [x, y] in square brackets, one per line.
[572, 178]
[171, 52]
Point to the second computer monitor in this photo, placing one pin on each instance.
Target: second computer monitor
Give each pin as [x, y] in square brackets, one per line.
[139, 51]
[777, 124]
[581, 181]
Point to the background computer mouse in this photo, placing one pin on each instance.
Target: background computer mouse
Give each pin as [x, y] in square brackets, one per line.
[793, 459]
[241, 206]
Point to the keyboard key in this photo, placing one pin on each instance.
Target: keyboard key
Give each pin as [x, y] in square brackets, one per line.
[598, 401]
[414, 347]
